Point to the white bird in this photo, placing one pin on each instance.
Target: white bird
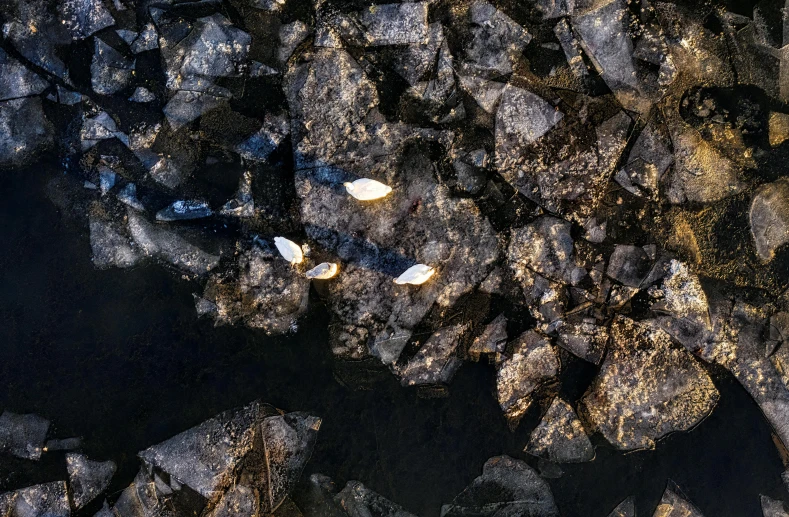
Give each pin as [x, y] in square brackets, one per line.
[365, 189]
[289, 250]
[415, 275]
[323, 271]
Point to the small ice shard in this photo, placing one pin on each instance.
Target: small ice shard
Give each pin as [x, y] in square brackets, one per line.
[415, 275]
[672, 504]
[23, 435]
[436, 361]
[259, 146]
[109, 244]
[365, 189]
[585, 340]
[110, 71]
[186, 106]
[497, 40]
[213, 48]
[544, 246]
[126, 35]
[701, 173]
[626, 508]
[98, 128]
[395, 24]
[128, 196]
[595, 231]
[323, 271]
[67, 97]
[142, 95]
[605, 38]
[266, 293]
[471, 179]
[647, 162]
[628, 265]
[773, 507]
[258, 69]
[243, 205]
[492, 340]
[289, 250]
[184, 210]
[290, 36]
[63, 444]
[571, 48]
[107, 179]
[522, 119]
[147, 40]
[268, 5]
[88, 478]
[288, 441]
[560, 437]
[144, 496]
[683, 295]
[390, 344]
[141, 140]
[486, 93]
[360, 501]
[238, 501]
[157, 242]
[414, 61]
[164, 169]
[532, 363]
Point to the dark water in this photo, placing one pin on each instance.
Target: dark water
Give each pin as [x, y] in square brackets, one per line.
[120, 358]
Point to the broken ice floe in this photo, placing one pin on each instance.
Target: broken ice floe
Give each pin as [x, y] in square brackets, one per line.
[254, 444]
[385, 24]
[88, 478]
[23, 435]
[505, 483]
[560, 437]
[628, 410]
[496, 41]
[45, 500]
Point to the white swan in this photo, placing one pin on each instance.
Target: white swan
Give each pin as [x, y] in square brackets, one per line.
[415, 275]
[323, 271]
[365, 189]
[289, 250]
